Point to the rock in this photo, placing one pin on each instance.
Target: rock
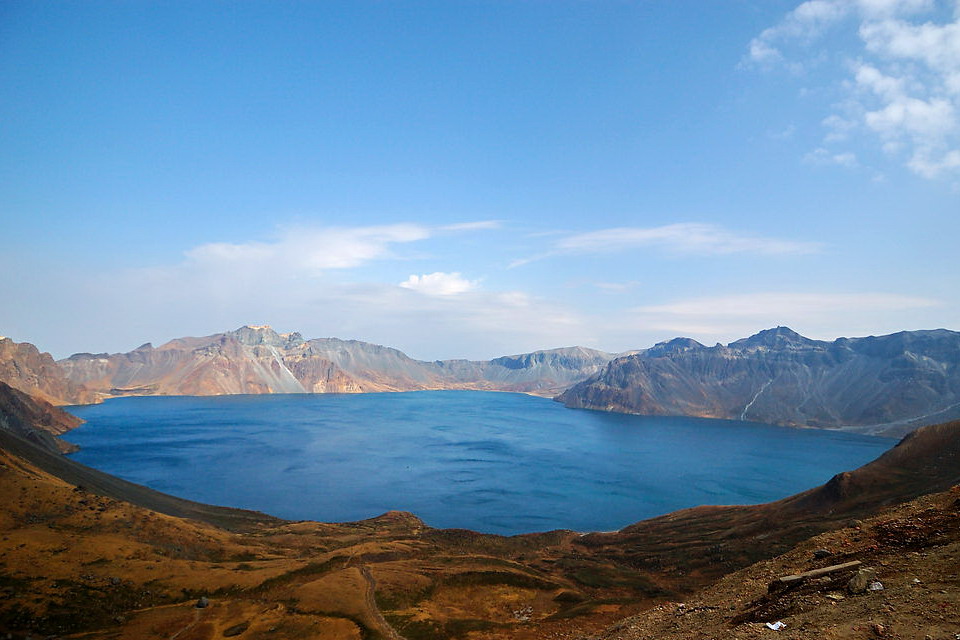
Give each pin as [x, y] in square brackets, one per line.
[568, 595]
[856, 524]
[235, 630]
[822, 553]
[114, 581]
[878, 629]
[859, 582]
[203, 602]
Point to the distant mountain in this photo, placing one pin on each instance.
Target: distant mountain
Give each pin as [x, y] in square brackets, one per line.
[256, 359]
[24, 367]
[96, 556]
[887, 384]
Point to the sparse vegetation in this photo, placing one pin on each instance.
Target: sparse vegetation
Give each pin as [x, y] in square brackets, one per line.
[127, 571]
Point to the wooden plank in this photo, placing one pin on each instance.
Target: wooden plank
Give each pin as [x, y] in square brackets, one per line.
[786, 581]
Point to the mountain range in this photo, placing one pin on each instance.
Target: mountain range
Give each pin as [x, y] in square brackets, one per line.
[256, 359]
[886, 385]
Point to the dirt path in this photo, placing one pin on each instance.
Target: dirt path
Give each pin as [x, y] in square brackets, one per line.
[385, 627]
[196, 619]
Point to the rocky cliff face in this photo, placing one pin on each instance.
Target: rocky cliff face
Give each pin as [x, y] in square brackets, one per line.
[885, 384]
[249, 360]
[24, 367]
[35, 420]
[259, 360]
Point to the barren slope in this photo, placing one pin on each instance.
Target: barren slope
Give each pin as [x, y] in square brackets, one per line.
[910, 552]
[83, 552]
[24, 367]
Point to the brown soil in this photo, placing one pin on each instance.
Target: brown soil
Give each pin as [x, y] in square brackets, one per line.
[75, 562]
[914, 550]
[86, 555]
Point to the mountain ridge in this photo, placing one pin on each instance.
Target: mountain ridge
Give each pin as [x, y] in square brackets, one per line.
[24, 367]
[256, 359]
[876, 384]
[886, 385]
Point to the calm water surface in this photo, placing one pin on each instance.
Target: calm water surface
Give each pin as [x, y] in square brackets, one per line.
[493, 462]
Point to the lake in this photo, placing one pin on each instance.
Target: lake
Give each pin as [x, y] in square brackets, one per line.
[492, 462]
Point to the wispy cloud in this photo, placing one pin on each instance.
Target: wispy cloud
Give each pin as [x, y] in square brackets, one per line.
[822, 156]
[314, 250]
[819, 314]
[309, 250]
[684, 238]
[439, 284]
[480, 225]
[903, 88]
[786, 304]
[616, 287]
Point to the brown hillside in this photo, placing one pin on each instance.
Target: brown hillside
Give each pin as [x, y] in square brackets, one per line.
[35, 420]
[707, 542]
[86, 555]
[24, 367]
[909, 553]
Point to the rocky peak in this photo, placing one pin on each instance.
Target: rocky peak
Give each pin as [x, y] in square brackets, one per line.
[292, 339]
[776, 338]
[253, 335]
[677, 345]
[567, 358]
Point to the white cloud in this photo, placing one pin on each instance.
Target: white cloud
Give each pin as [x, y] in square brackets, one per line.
[825, 157]
[931, 167]
[839, 128]
[310, 250]
[810, 20]
[936, 46]
[439, 284]
[905, 84]
[475, 323]
[616, 287]
[479, 225]
[784, 134]
[807, 22]
[686, 238]
[683, 237]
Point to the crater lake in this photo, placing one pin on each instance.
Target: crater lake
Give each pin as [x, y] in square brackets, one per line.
[493, 462]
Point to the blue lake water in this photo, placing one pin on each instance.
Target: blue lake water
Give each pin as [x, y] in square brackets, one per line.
[493, 462]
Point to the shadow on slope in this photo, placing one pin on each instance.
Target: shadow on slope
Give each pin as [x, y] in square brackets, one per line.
[83, 551]
[709, 541]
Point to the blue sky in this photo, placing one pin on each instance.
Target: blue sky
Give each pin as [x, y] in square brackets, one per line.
[471, 179]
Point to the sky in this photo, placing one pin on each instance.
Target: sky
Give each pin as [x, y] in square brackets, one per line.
[472, 179]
